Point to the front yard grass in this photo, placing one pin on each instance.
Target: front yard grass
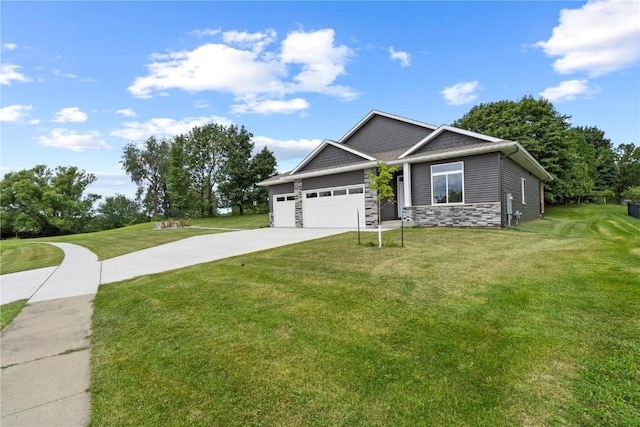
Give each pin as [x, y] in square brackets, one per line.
[459, 327]
[21, 255]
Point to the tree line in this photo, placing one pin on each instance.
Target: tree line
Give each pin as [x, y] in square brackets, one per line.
[196, 174]
[583, 162]
[191, 175]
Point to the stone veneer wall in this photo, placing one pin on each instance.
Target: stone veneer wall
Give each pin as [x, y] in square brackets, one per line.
[270, 219]
[471, 215]
[370, 202]
[297, 191]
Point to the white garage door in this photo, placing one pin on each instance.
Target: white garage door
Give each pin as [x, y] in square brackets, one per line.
[284, 210]
[334, 207]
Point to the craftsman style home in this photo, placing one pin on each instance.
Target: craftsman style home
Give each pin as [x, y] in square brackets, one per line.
[445, 177]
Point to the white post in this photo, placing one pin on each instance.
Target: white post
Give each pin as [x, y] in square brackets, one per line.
[379, 235]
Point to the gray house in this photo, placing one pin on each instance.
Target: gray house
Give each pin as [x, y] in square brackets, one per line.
[446, 177]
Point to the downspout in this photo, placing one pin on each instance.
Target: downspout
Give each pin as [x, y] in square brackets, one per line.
[502, 207]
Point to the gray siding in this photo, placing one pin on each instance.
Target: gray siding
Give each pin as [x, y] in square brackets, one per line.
[330, 157]
[381, 134]
[279, 189]
[511, 183]
[448, 139]
[389, 211]
[481, 179]
[338, 180]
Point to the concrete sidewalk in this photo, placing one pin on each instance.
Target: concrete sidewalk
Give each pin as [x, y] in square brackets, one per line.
[45, 364]
[45, 352]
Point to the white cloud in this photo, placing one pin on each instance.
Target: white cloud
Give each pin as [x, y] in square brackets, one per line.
[254, 41]
[70, 140]
[304, 62]
[271, 106]
[567, 90]
[9, 46]
[403, 57]
[138, 131]
[71, 114]
[205, 32]
[59, 73]
[10, 72]
[287, 151]
[321, 62]
[599, 38]
[460, 93]
[13, 113]
[34, 122]
[127, 112]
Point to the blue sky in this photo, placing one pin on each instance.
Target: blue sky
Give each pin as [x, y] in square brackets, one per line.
[79, 80]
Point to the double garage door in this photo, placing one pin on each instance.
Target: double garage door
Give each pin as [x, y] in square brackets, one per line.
[323, 208]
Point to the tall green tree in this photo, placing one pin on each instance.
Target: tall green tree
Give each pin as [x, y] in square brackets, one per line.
[628, 161]
[237, 175]
[44, 202]
[118, 211]
[181, 195]
[599, 153]
[545, 133]
[205, 156]
[264, 166]
[148, 167]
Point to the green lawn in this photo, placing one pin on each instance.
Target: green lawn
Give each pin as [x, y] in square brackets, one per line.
[22, 254]
[459, 327]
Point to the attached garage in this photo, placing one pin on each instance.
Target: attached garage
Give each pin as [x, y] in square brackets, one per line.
[284, 210]
[333, 207]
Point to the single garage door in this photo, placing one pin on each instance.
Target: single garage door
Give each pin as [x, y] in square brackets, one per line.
[334, 207]
[284, 210]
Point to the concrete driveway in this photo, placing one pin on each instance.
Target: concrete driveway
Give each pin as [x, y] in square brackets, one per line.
[46, 350]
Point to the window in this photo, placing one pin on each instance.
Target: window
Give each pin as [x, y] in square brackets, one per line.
[325, 194]
[279, 199]
[356, 190]
[447, 183]
[311, 195]
[289, 198]
[523, 188]
[339, 192]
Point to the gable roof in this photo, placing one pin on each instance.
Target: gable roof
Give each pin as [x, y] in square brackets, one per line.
[373, 113]
[414, 154]
[442, 129]
[322, 146]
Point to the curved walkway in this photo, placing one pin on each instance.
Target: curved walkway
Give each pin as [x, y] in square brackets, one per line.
[45, 354]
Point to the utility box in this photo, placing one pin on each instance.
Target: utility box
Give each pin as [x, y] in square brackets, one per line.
[509, 203]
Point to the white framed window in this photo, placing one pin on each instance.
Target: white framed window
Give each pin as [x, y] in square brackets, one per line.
[523, 189]
[447, 183]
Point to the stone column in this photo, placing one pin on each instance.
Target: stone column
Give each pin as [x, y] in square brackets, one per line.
[297, 191]
[370, 202]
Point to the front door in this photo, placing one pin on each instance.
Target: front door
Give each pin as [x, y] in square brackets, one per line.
[400, 194]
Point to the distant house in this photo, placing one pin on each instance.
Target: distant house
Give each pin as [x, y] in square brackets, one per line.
[446, 177]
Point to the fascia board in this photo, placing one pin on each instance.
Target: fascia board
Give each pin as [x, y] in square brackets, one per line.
[524, 158]
[322, 172]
